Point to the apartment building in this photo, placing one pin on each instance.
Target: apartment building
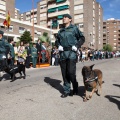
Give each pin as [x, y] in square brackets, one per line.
[7, 5]
[18, 26]
[111, 33]
[86, 14]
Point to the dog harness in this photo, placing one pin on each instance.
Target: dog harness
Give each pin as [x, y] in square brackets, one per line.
[94, 79]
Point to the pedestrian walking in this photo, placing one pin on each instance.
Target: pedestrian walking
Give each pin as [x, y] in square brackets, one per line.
[68, 40]
[34, 54]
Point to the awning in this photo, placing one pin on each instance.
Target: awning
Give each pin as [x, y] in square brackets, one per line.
[63, 7]
[60, 17]
[57, 1]
[52, 10]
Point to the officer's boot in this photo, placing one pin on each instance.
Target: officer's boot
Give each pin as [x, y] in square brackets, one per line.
[75, 88]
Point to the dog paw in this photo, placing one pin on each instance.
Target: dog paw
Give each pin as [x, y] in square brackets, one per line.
[90, 96]
[84, 100]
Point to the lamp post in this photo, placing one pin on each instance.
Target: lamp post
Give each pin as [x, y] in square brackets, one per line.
[91, 39]
[33, 20]
[51, 33]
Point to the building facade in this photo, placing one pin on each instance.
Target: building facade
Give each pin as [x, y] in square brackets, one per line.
[86, 14]
[111, 33]
[17, 25]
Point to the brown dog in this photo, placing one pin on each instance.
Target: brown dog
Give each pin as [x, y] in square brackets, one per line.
[92, 80]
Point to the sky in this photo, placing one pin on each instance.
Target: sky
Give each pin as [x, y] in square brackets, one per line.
[111, 8]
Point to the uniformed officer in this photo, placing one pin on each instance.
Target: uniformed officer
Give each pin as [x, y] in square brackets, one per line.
[34, 54]
[68, 40]
[28, 57]
[12, 52]
[4, 49]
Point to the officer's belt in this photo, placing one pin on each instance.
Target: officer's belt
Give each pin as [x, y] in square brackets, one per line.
[67, 48]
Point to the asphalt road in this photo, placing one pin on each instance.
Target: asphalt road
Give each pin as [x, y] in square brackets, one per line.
[38, 96]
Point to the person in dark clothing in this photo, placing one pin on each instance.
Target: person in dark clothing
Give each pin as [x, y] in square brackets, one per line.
[12, 53]
[69, 39]
[38, 45]
[28, 57]
[4, 50]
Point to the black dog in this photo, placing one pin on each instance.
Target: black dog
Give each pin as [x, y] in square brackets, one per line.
[12, 70]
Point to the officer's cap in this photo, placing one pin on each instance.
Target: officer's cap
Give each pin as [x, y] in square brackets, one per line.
[67, 15]
[1, 32]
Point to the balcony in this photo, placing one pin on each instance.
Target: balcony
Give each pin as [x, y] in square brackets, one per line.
[58, 5]
[54, 14]
[43, 2]
[59, 1]
[78, 20]
[76, 2]
[43, 10]
[43, 18]
[78, 11]
[59, 22]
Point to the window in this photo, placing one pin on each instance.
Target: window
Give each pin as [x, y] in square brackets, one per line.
[39, 33]
[21, 29]
[104, 30]
[80, 25]
[77, 7]
[79, 16]
[11, 28]
[43, 6]
[43, 15]
[42, 22]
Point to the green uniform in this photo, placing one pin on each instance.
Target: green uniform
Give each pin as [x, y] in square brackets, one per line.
[4, 47]
[12, 52]
[68, 37]
[12, 55]
[34, 55]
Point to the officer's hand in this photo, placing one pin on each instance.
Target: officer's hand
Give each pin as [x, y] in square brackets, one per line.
[74, 48]
[60, 48]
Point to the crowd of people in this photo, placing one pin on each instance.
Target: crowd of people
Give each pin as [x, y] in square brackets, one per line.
[66, 53]
[85, 54]
[24, 53]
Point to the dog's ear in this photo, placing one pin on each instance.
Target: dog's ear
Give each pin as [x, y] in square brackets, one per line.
[91, 66]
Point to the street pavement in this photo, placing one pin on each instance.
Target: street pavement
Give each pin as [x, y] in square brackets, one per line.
[38, 96]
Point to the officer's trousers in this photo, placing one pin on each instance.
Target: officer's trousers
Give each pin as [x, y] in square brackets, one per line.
[27, 61]
[68, 69]
[34, 61]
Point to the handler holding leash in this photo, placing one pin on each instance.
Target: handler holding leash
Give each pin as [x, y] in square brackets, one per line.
[69, 39]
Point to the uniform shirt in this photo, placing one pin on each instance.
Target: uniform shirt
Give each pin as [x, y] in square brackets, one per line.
[68, 37]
